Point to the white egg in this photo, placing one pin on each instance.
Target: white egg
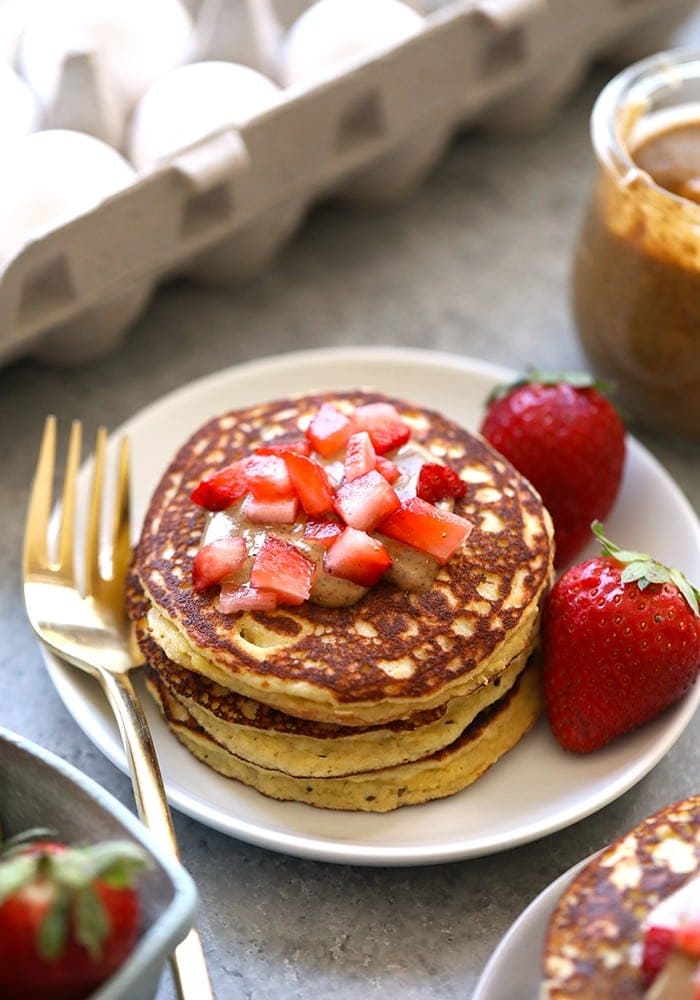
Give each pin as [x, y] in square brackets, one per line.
[13, 14]
[191, 102]
[19, 111]
[333, 32]
[48, 178]
[136, 41]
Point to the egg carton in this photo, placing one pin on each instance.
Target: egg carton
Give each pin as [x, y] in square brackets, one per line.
[221, 209]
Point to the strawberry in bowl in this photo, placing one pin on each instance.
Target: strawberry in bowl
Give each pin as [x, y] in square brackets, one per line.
[69, 916]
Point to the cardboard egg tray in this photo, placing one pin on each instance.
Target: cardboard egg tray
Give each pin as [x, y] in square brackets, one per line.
[220, 210]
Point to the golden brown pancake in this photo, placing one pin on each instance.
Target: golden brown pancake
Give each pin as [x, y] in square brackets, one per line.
[392, 654]
[264, 736]
[491, 734]
[593, 945]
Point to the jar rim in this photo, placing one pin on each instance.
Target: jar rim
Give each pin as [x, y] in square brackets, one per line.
[627, 96]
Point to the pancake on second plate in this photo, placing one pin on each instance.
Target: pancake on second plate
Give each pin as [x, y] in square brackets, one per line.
[392, 654]
[594, 943]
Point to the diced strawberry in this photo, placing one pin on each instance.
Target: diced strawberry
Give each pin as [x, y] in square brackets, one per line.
[329, 430]
[311, 483]
[220, 490]
[216, 560]
[658, 944]
[357, 557]
[433, 530]
[322, 531]
[375, 415]
[268, 477]
[270, 511]
[244, 598]
[384, 424]
[360, 456]
[300, 446]
[687, 938]
[280, 567]
[366, 501]
[437, 482]
[388, 469]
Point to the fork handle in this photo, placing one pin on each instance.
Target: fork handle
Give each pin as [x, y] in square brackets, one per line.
[188, 962]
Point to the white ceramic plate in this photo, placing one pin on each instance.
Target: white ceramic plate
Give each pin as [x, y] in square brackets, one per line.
[513, 971]
[534, 790]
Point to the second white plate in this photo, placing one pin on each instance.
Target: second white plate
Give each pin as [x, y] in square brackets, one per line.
[534, 790]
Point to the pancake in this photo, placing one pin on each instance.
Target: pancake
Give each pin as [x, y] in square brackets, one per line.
[393, 653]
[493, 732]
[270, 739]
[594, 940]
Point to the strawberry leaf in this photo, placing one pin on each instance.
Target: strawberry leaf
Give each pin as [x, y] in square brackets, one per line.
[91, 921]
[641, 569]
[53, 930]
[15, 873]
[21, 840]
[579, 380]
[113, 861]
[691, 593]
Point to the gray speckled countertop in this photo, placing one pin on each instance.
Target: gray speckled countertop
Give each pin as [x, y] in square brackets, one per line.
[475, 263]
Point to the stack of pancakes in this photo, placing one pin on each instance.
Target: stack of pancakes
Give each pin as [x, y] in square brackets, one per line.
[593, 946]
[400, 698]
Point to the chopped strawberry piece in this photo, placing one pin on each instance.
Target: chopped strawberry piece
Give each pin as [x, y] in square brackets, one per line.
[220, 490]
[245, 598]
[384, 424]
[360, 456]
[270, 511]
[658, 944]
[280, 567]
[388, 469]
[268, 477]
[324, 532]
[375, 415]
[390, 437]
[433, 530]
[366, 501]
[357, 557]
[687, 938]
[311, 483]
[299, 446]
[216, 560]
[437, 482]
[329, 430]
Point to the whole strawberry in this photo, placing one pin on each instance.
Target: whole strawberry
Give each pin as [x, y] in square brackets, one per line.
[564, 435]
[620, 643]
[69, 916]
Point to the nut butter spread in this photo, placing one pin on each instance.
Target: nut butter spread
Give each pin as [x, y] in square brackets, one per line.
[636, 288]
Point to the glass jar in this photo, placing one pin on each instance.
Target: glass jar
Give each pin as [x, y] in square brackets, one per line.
[636, 275]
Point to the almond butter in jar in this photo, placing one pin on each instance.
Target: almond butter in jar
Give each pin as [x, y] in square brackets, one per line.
[636, 275]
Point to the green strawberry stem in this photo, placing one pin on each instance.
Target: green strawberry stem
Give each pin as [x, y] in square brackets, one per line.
[579, 380]
[641, 569]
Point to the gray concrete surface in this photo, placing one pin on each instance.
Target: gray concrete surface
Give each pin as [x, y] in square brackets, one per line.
[475, 263]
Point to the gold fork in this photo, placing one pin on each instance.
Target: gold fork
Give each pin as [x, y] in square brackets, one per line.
[88, 627]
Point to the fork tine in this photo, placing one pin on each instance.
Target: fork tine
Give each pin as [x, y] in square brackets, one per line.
[65, 537]
[92, 538]
[36, 556]
[121, 534]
